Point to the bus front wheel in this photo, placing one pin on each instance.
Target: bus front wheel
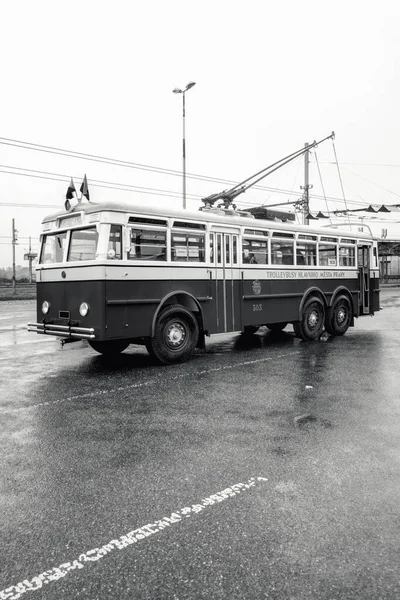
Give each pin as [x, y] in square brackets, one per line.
[339, 316]
[109, 347]
[176, 335]
[312, 320]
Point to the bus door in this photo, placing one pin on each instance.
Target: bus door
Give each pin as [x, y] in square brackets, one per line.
[227, 283]
[364, 294]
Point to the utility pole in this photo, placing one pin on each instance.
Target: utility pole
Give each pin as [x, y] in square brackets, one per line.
[306, 187]
[14, 242]
[31, 257]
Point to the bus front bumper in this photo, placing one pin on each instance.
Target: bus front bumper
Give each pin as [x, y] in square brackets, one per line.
[65, 331]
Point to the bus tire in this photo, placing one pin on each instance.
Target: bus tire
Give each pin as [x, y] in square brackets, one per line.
[312, 320]
[339, 316]
[275, 327]
[250, 329]
[109, 347]
[176, 335]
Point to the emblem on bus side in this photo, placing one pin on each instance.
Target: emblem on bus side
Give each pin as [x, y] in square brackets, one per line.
[256, 287]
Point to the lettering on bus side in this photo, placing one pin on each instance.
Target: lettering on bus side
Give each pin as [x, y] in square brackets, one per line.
[305, 274]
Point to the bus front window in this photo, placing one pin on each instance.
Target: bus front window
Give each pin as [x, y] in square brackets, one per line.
[83, 244]
[53, 248]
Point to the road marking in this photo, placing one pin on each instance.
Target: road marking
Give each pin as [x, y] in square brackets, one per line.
[14, 592]
[154, 381]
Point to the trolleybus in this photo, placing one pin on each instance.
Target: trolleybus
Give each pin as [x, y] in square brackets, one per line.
[116, 274]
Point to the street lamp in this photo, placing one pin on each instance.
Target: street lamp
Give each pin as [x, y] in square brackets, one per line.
[179, 91]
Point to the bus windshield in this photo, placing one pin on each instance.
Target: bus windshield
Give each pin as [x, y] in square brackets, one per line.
[83, 244]
[53, 248]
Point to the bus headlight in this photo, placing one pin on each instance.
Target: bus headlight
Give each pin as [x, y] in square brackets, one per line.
[45, 307]
[84, 309]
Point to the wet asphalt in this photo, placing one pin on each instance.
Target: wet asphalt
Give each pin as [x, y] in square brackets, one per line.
[92, 449]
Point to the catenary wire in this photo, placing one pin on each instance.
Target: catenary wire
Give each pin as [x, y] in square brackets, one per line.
[127, 187]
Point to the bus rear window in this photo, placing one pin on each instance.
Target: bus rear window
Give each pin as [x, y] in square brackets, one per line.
[53, 248]
[83, 244]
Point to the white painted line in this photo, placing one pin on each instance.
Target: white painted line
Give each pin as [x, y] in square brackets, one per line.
[154, 381]
[14, 592]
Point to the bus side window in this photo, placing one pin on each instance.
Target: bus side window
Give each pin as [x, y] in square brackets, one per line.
[306, 254]
[255, 251]
[114, 249]
[219, 243]
[282, 252]
[347, 256]
[188, 247]
[148, 244]
[234, 250]
[227, 250]
[327, 255]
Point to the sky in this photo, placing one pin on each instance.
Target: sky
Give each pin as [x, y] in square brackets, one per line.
[97, 77]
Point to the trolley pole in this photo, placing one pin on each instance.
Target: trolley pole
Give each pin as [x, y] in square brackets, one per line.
[14, 241]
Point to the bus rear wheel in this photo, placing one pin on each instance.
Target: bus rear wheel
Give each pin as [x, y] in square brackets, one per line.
[176, 335]
[339, 316]
[275, 327]
[109, 347]
[312, 320]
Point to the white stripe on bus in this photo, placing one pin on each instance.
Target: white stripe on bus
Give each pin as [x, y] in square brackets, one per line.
[180, 273]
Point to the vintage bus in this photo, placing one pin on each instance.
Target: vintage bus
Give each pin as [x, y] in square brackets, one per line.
[116, 274]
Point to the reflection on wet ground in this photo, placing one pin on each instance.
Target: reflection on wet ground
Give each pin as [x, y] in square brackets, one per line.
[92, 447]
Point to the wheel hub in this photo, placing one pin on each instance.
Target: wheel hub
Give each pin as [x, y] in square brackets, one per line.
[341, 316]
[175, 335]
[313, 319]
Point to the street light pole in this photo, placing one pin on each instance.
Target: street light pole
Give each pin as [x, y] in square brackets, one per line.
[179, 91]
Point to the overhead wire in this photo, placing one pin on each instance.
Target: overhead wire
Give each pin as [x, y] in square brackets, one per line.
[128, 164]
[94, 182]
[373, 182]
[137, 189]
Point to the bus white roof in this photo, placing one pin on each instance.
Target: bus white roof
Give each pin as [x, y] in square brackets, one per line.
[204, 216]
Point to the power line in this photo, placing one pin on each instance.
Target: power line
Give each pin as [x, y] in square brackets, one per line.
[127, 187]
[138, 189]
[328, 162]
[94, 182]
[128, 164]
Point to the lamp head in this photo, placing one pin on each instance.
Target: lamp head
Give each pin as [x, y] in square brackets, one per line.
[190, 85]
[177, 91]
